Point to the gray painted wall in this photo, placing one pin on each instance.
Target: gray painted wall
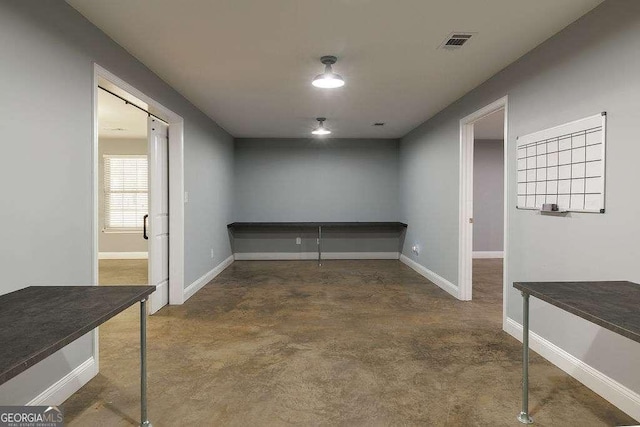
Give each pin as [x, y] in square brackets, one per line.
[316, 180]
[46, 80]
[488, 200]
[589, 67]
[114, 241]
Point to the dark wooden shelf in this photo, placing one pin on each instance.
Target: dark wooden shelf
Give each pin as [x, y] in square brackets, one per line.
[240, 225]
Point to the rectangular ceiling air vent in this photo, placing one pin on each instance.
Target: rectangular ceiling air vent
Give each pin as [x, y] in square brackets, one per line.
[456, 40]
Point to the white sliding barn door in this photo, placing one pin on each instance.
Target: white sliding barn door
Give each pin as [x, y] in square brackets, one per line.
[158, 230]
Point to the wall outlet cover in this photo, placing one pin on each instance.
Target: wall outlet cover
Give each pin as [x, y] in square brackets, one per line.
[298, 241]
[416, 249]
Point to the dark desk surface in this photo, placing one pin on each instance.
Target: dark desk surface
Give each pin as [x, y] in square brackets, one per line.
[37, 321]
[612, 305]
[316, 224]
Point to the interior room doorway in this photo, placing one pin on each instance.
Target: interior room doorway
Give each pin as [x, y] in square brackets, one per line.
[483, 221]
[488, 208]
[123, 190]
[164, 225]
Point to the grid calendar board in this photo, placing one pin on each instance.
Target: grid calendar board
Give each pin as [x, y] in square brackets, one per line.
[563, 165]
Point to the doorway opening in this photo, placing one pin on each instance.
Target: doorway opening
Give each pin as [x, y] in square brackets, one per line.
[123, 190]
[483, 211]
[488, 207]
[165, 203]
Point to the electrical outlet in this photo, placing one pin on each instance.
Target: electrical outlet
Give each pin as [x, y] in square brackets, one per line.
[186, 197]
[211, 253]
[416, 249]
[298, 241]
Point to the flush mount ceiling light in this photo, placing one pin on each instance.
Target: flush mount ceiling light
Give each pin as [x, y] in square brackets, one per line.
[321, 130]
[328, 79]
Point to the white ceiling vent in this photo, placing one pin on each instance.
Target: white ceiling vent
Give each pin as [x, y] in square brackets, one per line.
[456, 40]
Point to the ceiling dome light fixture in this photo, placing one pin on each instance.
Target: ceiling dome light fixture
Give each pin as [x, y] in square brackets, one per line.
[321, 130]
[328, 79]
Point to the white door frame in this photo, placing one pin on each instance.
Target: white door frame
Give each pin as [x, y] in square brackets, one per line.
[465, 251]
[176, 183]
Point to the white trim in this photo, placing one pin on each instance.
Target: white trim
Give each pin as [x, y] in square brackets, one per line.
[176, 212]
[62, 389]
[293, 256]
[465, 202]
[505, 231]
[162, 300]
[123, 255]
[619, 395]
[465, 227]
[122, 231]
[199, 283]
[431, 276]
[488, 254]
[95, 350]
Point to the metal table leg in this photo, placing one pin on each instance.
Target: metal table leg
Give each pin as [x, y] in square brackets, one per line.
[524, 417]
[144, 421]
[319, 245]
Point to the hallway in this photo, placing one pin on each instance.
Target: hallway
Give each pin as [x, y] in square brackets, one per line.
[351, 343]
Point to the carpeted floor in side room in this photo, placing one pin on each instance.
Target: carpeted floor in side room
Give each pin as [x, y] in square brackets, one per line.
[362, 343]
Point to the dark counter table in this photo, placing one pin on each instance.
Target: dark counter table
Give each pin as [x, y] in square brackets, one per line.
[392, 225]
[240, 225]
[37, 321]
[612, 305]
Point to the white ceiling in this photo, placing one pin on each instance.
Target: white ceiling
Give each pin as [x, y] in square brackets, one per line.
[490, 127]
[249, 64]
[116, 119]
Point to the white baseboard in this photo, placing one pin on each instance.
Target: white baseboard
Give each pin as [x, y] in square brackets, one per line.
[292, 256]
[431, 276]
[190, 290]
[622, 397]
[123, 255]
[488, 254]
[159, 298]
[62, 389]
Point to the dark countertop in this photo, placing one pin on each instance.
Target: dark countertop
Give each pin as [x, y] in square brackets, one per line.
[316, 224]
[612, 305]
[37, 321]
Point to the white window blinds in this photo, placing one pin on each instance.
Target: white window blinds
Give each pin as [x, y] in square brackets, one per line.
[126, 188]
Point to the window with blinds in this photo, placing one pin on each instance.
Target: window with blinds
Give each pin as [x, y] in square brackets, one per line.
[126, 198]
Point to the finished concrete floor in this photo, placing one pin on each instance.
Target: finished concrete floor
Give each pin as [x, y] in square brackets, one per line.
[362, 343]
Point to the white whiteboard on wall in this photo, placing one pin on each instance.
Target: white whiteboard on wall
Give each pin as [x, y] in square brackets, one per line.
[563, 165]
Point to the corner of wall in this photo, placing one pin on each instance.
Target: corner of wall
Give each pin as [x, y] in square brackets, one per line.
[191, 290]
[431, 276]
